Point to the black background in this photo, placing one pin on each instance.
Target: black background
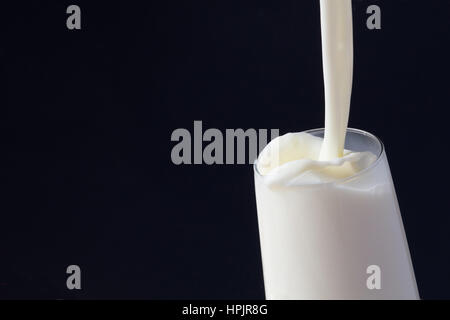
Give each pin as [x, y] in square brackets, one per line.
[86, 119]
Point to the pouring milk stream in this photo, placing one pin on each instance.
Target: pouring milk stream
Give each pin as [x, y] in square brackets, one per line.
[299, 157]
[337, 53]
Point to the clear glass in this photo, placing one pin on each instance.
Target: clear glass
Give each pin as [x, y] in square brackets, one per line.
[336, 240]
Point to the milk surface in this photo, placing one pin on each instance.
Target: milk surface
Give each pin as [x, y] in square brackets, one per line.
[294, 159]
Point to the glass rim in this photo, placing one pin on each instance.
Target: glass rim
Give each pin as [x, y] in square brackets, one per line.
[352, 130]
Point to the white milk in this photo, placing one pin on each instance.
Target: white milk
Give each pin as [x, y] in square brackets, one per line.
[337, 56]
[326, 214]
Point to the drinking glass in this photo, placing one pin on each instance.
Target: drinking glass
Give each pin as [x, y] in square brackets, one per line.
[336, 240]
